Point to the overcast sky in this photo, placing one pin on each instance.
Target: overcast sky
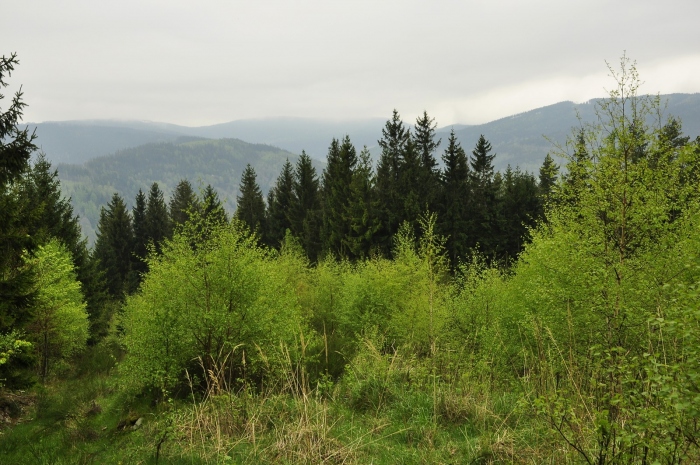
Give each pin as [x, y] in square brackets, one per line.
[211, 61]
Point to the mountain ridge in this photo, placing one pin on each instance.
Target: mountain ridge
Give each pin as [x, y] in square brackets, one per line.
[516, 139]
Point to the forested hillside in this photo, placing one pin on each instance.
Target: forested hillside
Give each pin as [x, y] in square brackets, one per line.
[525, 138]
[398, 312]
[219, 163]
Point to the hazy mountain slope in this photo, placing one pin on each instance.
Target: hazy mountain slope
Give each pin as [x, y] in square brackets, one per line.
[524, 139]
[517, 140]
[80, 141]
[297, 134]
[216, 162]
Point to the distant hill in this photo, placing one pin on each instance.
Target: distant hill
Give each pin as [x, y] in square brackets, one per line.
[80, 141]
[517, 140]
[297, 134]
[524, 139]
[202, 161]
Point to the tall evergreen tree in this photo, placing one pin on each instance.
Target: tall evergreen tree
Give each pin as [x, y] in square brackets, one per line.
[483, 226]
[452, 212]
[114, 246]
[410, 193]
[16, 146]
[395, 136]
[577, 170]
[157, 218]
[305, 216]
[428, 183]
[183, 201]
[519, 207]
[671, 134]
[361, 211]
[251, 205]
[337, 177]
[47, 214]
[279, 203]
[212, 210]
[140, 247]
[549, 172]
[670, 138]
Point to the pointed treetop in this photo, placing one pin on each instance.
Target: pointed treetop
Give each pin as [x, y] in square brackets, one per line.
[424, 135]
[251, 205]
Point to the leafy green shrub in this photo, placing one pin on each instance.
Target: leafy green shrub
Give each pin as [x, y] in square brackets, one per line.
[589, 299]
[59, 327]
[223, 307]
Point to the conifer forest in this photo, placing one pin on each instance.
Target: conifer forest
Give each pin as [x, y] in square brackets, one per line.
[421, 307]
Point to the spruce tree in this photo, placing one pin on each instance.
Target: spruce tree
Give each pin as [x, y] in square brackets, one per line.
[47, 214]
[428, 182]
[549, 172]
[454, 195]
[114, 246]
[337, 177]
[157, 219]
[280, 200]
[361, 210]
[16, 146]
[140, 228]
[251, 206]
[670, 138]
[410, 193]
[578, 170]
[671, 134]
[212, 210]
[305, 213]
[183, 201]
[518, 209]
[483, 225]
[395, 136]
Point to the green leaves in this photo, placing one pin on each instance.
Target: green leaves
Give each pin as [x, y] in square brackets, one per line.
[59, 327]
[229, 296]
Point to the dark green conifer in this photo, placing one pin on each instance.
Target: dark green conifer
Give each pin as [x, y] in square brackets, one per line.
[518, 209]
[213, 212]
[452, 209]
[361, 211]
[428, 182]
[305, 212]
[280, 201]
[337, 177]
[577, 170]
[483, 221]
[251, 205]
[114, 246]
[549, 172]
[182, 203]
[410, 193]
[16, 146]
[671, 134]
[47, 214]
[140, 227]
[157, 219]
[395, 136]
